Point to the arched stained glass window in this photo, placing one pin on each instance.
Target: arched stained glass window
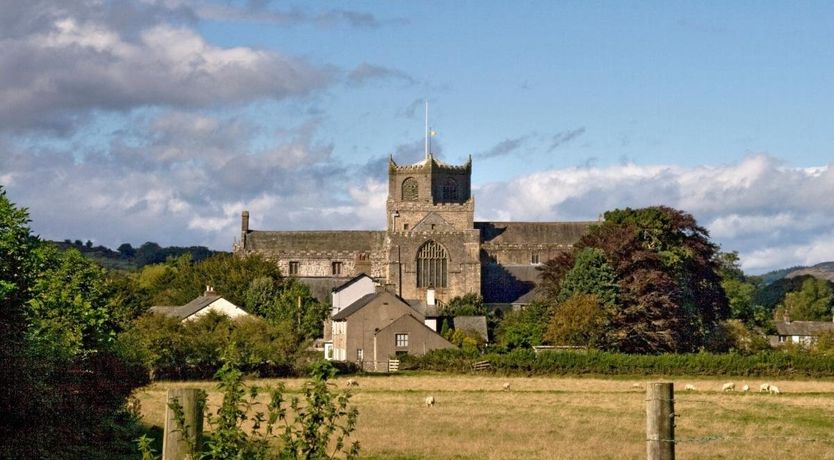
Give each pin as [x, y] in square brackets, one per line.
[432, 261]
[410, 189]
[450, 189]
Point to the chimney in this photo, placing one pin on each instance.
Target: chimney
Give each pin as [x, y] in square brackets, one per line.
[430, 300]
[209, 291]
[786, 318]
[244, 227]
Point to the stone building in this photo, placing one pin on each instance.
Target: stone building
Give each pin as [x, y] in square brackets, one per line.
[431, 242]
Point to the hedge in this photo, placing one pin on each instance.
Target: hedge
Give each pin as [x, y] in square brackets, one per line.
[764, 364]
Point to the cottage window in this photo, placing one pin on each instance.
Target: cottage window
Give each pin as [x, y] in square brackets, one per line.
[534, 258]
[294, 267]
[336, 268]
[360, 355]
[405, 226]
[411, 190]
[432, 261]
[401, 340]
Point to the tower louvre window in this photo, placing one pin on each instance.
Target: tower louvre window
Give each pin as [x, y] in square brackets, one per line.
[450, 189]
[411, 190]
[432, 263]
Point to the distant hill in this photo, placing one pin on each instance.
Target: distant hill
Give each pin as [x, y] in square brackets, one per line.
[824, 270]
[126, 257]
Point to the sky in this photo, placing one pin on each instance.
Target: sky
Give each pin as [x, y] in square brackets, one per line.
[161, 120]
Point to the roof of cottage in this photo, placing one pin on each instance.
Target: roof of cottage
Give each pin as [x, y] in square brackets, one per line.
[188, 309]
[350, 282]
[803, 328]
[472, 323]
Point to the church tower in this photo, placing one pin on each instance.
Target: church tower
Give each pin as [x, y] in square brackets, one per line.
[431, 239]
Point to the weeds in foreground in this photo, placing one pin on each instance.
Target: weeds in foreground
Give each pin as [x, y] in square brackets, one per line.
[317, 428]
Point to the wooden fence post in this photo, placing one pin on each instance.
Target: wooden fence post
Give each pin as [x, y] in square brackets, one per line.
[660, 421]
[174, 444]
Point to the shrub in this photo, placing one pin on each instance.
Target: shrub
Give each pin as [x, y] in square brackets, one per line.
[193, 349]
[771, 363]
[317, 428]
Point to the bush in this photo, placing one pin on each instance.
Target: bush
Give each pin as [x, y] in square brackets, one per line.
[317, 427]
[771, 363]
[173, 349]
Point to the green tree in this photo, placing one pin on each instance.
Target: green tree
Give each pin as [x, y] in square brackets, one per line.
[524, 328]
[295, 306]
[669, 296]
[19, 262]
[69, 310]
[58, 358]
[580, 320]
[470, 304]
[590, 274]
[811, 303]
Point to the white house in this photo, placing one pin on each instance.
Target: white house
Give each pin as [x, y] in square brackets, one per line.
[342, 296]
[208, 302]
[799, 332]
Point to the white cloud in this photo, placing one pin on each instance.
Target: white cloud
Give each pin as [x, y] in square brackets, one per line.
[71, 62]
[772, 214]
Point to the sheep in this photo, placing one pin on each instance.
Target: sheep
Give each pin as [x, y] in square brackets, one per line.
[745, 388]
[730, 386]
[689, 387]
[429, 401]
[636, 385]
[506, 386]
[774, 390]
[352, 383]
[764, 388]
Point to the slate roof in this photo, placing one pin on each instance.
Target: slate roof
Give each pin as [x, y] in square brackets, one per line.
[528, 298]
[350, 282]
[354, 307]
[803, 328]
[322, 240]
[507, 283]
[411, 318]
[473, 323]
[321, 286]
[527, 233]
[420, 306]
[188, 309]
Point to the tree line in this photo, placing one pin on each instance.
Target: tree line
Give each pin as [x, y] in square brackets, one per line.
[651, 281]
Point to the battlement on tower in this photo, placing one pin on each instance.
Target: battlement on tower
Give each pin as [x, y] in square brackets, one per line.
[427, 164]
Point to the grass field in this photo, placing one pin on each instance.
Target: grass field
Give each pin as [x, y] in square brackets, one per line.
[568, 417]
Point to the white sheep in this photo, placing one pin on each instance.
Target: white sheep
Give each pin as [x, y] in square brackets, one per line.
[352, 383]
[774, 390]
[764, 388]
[745, 388]
[636, 385]
[730, 386]
[429, 401]
[506, 386]
[689, 387]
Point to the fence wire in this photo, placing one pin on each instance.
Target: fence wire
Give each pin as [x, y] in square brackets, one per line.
[712, 438]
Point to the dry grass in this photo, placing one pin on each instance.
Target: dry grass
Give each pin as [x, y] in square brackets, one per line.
[569, 417]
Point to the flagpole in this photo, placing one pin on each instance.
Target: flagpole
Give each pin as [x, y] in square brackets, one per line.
[427, 129]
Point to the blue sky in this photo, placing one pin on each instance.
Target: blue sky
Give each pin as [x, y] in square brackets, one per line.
[128, 121]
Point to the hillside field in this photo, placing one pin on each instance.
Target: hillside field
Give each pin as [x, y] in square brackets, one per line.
[555, 417]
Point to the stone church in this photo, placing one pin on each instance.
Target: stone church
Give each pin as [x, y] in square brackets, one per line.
[431, 242]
